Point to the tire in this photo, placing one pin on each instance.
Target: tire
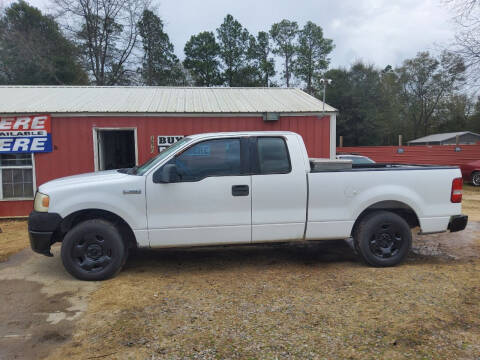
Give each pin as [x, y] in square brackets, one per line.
[93, 250]
[476, 178]
[383, 239]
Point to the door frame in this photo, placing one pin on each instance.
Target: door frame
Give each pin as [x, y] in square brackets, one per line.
[95, 132]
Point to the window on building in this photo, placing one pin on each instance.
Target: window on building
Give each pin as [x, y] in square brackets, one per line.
[16, 176]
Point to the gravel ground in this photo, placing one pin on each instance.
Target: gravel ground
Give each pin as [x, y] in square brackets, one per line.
[308, 301]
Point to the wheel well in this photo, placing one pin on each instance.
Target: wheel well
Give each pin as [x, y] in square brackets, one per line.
[397, 207]
[77, 217]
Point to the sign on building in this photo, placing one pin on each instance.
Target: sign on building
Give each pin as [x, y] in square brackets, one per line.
[25, 134]
[164, 141]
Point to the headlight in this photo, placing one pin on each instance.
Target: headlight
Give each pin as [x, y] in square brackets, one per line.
[41, 202]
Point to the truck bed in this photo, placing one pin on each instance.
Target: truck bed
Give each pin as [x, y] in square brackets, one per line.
[338, 197]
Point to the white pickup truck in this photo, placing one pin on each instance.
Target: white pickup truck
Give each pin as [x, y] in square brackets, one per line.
[241, 188]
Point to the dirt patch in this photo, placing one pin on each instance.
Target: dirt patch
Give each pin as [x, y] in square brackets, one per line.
[40, 305]
[460, 245]
[13, 237]
[24, 327]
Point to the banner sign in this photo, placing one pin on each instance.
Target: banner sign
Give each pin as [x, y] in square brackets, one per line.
[25, 134]
[164, 141]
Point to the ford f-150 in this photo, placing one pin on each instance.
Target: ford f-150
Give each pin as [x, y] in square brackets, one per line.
[241, 188]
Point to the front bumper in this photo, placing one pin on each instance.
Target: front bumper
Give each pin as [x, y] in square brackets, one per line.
[458, 223]
[41, 229]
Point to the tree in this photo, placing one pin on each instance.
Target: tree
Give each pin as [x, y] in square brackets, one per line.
[34, 51]
[160, 66]
[233, 40]
[284, 35]
[202, 59]
[453, 113]
[391, 121]
[464, 8]
[312, 54]
[107, 31]
[421, 97]
[467, 38]
[426, 81]
[259, 53]
[474, 119]
[356, 94]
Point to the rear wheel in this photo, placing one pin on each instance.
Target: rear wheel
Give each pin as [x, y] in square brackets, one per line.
[93, 250]
[476, 178]
[383, 238]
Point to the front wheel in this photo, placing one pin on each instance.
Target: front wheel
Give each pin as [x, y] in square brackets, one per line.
[476, 178]
[93, 250]
[383, 238]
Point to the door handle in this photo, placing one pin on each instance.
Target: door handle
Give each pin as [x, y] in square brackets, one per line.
[240, 190]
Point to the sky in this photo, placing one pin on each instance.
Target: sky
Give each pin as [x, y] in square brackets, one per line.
[379, 32]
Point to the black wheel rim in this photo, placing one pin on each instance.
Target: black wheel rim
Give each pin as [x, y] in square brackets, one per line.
[92, 252]
[387, 241]
[476, 179]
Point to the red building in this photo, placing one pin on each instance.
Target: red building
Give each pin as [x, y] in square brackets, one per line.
[51, 132]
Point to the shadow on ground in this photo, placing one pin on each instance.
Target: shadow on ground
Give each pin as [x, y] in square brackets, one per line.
[462, 245]
[231, 257]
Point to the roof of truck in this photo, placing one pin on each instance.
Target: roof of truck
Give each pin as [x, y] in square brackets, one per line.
[243, 133]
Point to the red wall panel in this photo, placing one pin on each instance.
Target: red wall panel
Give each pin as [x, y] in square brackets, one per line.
[73, 139]
[419, 154]
[15, 208]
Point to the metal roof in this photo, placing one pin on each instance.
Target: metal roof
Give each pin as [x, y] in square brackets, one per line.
[441, 137]
[130, 99]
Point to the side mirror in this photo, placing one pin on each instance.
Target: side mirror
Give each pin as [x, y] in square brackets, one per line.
[167, 174]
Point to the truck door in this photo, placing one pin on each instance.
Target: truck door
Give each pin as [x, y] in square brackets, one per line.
[210, 201]
[279, 189]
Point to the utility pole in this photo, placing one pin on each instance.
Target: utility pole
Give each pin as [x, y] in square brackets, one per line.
[324, 82]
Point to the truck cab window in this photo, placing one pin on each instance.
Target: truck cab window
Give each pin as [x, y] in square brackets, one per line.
[273, 156]
[219, 157]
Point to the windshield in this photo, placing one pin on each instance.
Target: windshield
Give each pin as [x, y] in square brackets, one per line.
[142, 169]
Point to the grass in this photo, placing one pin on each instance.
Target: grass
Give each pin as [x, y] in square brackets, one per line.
[286, 302]
[13, 237]
[471, 202]
[471, 189]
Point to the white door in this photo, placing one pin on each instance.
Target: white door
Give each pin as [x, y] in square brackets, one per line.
[279, 190]
[209, 203]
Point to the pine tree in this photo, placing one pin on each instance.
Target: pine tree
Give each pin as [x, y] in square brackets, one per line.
[160, 65]
[202, 59]
[34, 51]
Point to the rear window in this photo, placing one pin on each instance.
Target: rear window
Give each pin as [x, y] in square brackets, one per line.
[273, 156]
